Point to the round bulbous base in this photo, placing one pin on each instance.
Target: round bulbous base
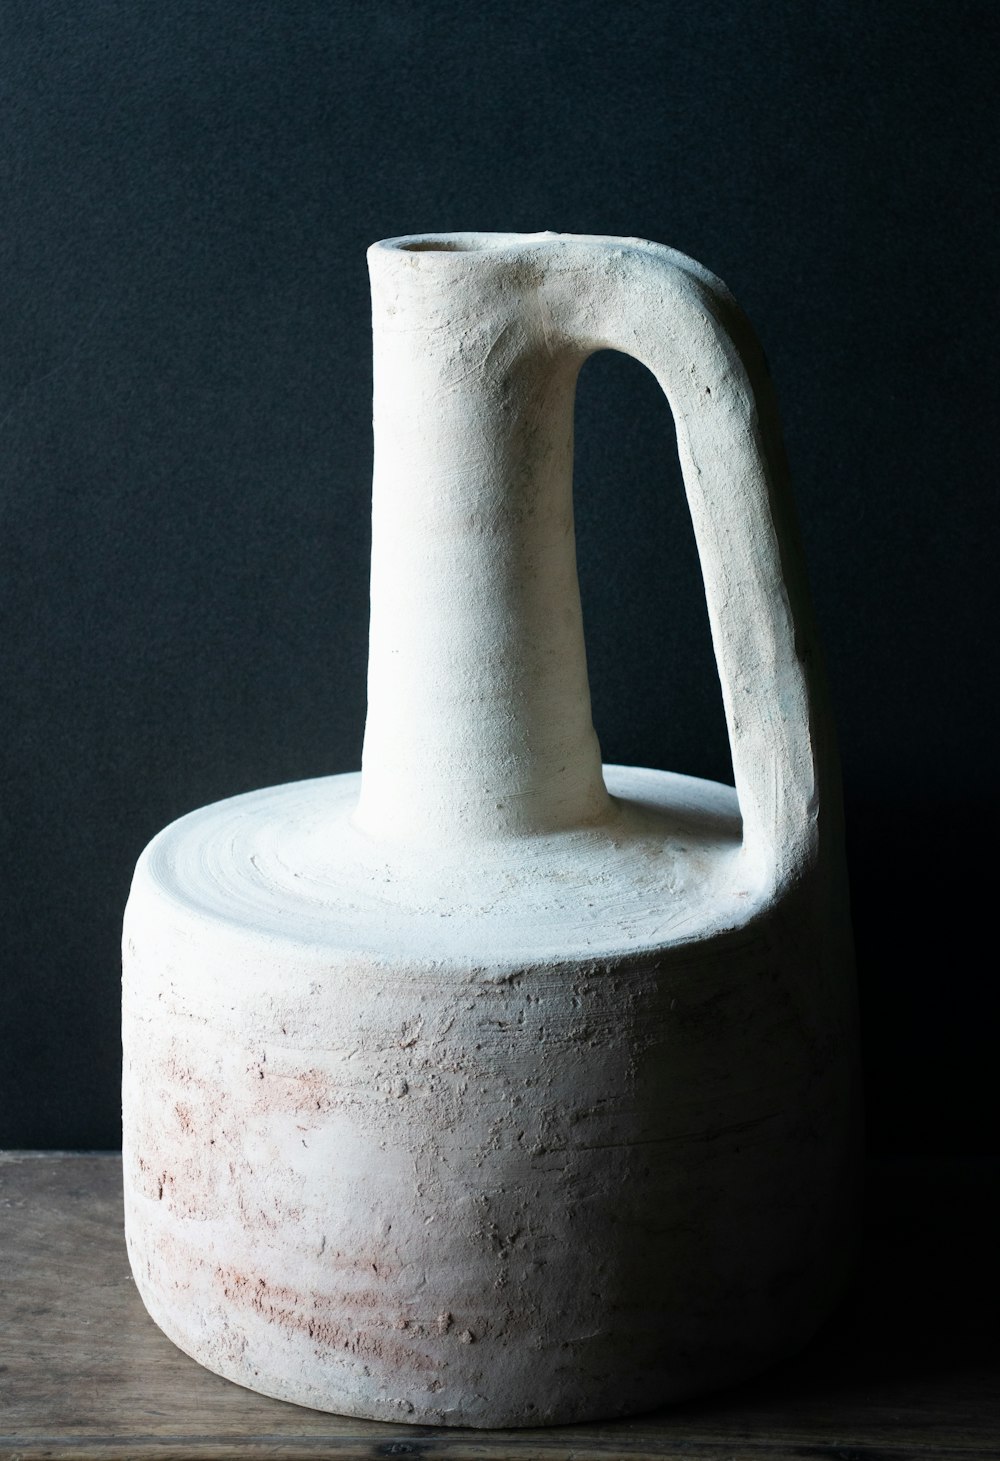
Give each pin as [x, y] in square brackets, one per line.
[491, 1137]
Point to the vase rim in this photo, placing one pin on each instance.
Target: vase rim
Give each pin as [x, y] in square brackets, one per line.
[466, 243]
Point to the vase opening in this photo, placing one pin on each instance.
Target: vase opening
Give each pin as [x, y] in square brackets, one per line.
[465, 243]
[439, 246]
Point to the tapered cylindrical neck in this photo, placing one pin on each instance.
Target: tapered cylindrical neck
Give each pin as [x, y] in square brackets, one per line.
[479, 722]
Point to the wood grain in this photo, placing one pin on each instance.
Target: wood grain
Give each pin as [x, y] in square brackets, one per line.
[908, 1369]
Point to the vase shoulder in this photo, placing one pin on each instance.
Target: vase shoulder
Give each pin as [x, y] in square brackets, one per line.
[287, 865]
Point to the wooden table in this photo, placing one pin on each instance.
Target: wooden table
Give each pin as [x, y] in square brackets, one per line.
[909, 1368]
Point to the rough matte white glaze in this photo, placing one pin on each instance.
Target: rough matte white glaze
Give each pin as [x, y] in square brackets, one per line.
[486, 1087]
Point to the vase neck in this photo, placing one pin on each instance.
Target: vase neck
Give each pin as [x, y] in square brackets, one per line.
[479, 722]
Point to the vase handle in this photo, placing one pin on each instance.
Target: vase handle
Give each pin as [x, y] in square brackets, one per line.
[681, 322]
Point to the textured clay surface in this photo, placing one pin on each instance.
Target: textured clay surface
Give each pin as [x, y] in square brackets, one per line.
[491, 1087]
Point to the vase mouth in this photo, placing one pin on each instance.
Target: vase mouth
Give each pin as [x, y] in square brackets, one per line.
[463, 243]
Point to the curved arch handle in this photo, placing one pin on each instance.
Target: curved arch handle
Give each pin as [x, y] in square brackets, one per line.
[680, 321]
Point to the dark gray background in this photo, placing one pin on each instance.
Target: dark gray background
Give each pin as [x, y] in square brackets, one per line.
[188, 192]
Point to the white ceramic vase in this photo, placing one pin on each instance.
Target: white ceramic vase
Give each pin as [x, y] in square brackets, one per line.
[488, 1087]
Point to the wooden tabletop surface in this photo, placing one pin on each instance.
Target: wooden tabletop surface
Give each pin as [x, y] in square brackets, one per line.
[909, 1368]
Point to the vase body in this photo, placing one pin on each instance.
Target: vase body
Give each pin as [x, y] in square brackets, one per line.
[490, 1086]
